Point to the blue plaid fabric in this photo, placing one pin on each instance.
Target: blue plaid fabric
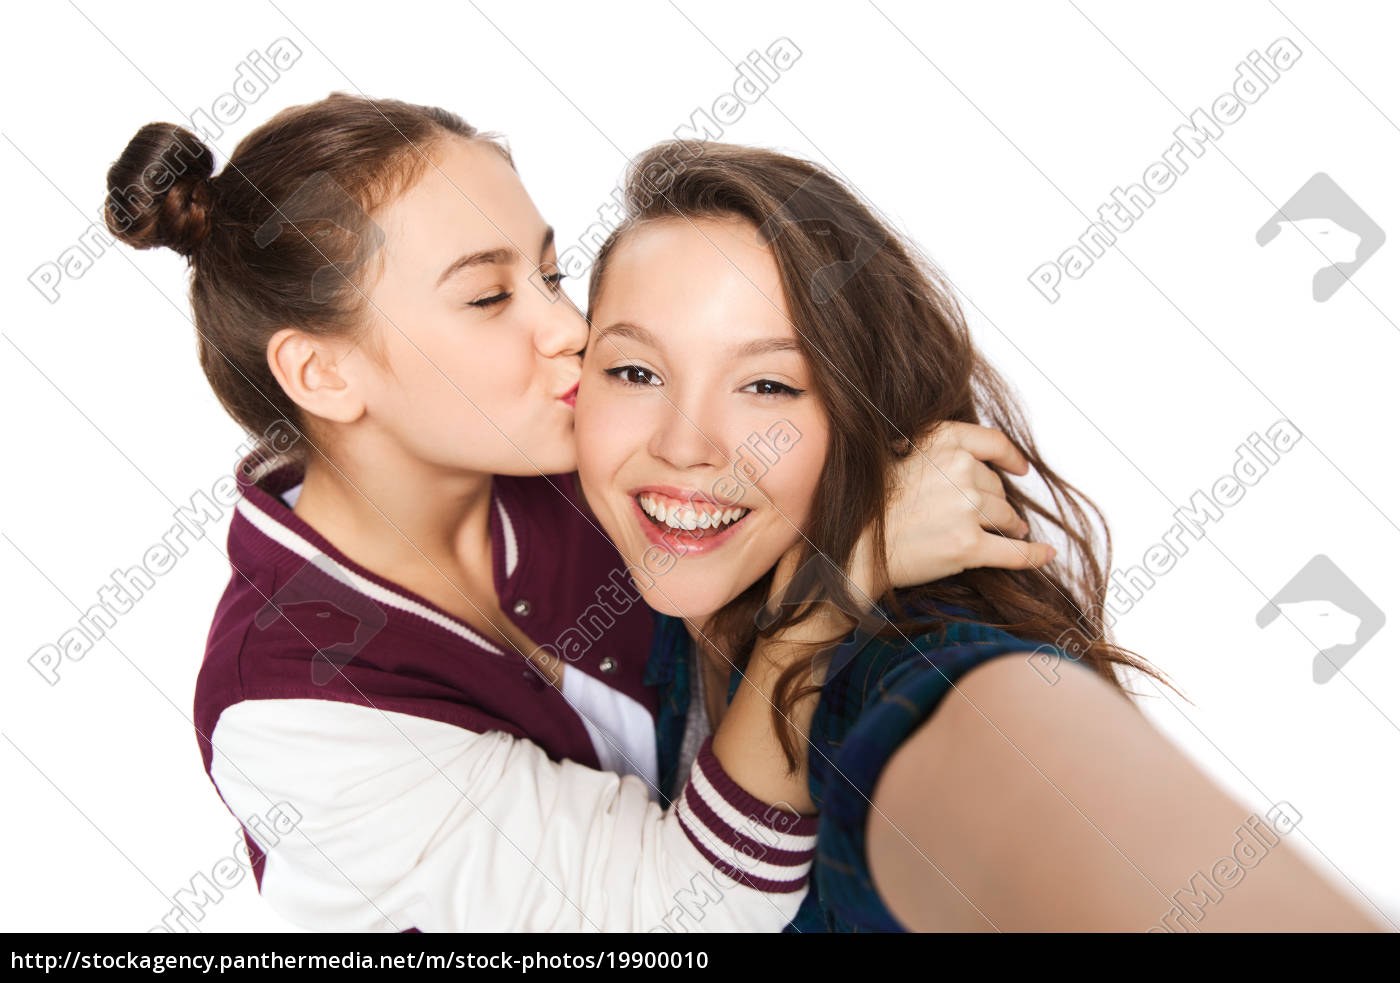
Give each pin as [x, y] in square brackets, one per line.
[668, 669]
[876, 694]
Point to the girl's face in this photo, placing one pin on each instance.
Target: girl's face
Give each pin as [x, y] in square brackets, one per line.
[700, 439]
[481, 351]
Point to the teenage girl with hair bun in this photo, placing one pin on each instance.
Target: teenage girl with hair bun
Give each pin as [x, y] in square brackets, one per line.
[426, 647]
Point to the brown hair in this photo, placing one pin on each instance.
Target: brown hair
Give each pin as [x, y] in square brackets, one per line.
[282, 236]
[891, 357]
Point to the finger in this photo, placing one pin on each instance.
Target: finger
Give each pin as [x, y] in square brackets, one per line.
[928, 476]
[997, 514]
[979, 476]
[987, 481]
[1010, 554]
[983, 443]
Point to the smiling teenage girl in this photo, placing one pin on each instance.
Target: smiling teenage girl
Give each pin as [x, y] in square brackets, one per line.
[753, 291]
[394, 663]
[362, 271]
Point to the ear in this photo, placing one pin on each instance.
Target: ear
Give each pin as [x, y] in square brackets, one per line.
[310, 370]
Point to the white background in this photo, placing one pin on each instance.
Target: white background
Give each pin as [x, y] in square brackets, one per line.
[988, 143]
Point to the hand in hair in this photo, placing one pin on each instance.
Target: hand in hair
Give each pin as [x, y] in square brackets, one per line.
[948, 513]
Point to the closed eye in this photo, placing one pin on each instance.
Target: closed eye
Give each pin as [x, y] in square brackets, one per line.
[491, 301]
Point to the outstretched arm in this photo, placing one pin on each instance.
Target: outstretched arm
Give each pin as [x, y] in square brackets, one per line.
[1025, 807]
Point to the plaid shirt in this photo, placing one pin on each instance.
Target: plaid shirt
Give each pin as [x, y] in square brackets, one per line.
[876, 694]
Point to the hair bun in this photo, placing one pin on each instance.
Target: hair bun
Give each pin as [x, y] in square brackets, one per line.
[159, 192]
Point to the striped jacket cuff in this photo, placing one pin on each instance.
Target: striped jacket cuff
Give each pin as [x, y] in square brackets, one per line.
[748, 840]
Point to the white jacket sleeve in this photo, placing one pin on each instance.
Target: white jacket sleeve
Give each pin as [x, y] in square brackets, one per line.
[407, 823]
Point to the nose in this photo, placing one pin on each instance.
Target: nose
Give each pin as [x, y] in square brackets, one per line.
[684, 439]
[563, 330]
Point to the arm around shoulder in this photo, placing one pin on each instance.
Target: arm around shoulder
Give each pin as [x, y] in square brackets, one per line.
[406, 822]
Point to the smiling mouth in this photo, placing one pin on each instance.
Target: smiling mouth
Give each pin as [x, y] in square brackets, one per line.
[689, 520]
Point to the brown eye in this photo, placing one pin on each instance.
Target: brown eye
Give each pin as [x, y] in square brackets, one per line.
[632, 375]
[767, 387]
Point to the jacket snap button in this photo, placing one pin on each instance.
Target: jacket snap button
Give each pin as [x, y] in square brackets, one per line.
[521, 608]
[608, 664]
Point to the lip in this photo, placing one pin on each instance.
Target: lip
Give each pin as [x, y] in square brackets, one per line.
[570, 396]
[685, 495]
[678, 542]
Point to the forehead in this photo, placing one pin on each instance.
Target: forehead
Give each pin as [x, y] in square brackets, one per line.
[467, 197]
[696, 278]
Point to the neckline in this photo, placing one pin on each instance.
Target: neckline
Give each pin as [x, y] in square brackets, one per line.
[264, 494]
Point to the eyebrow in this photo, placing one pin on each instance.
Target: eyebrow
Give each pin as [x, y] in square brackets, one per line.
[489, 257]
[747, 349]
[765, 346]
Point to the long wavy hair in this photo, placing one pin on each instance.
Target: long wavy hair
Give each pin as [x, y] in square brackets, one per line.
[891, 357]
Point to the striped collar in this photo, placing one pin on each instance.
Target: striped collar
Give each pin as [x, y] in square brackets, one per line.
[280, 531]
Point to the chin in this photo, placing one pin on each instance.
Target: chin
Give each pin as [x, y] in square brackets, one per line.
[678, 601]
[553, 458]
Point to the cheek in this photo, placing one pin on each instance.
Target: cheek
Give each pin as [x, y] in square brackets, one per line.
[494, 360]
[608, 429]
[790, 483]
[449, 396]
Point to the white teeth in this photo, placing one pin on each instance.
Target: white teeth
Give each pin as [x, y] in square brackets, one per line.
[649, 506]
[688, 517]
